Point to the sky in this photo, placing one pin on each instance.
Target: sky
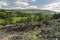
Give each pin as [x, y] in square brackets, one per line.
[25, 4]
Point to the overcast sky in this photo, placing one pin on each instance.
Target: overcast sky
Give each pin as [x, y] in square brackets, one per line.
[25, 3]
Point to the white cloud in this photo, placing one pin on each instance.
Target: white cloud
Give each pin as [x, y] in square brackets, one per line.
[32, 7]
[27, 7]
[3, 4]
[16, 8]
[15, 0]
[20, 3]
[23, 2]
[53, 6]
[34, 0]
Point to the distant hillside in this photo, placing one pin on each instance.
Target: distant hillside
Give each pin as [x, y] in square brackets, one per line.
[32, 10]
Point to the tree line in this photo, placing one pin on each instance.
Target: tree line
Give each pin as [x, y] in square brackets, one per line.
[13, 17]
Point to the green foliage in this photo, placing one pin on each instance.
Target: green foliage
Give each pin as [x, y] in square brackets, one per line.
[23, 20]
[33, 37]
[2, 21]
[56, 23]
[23, 16]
